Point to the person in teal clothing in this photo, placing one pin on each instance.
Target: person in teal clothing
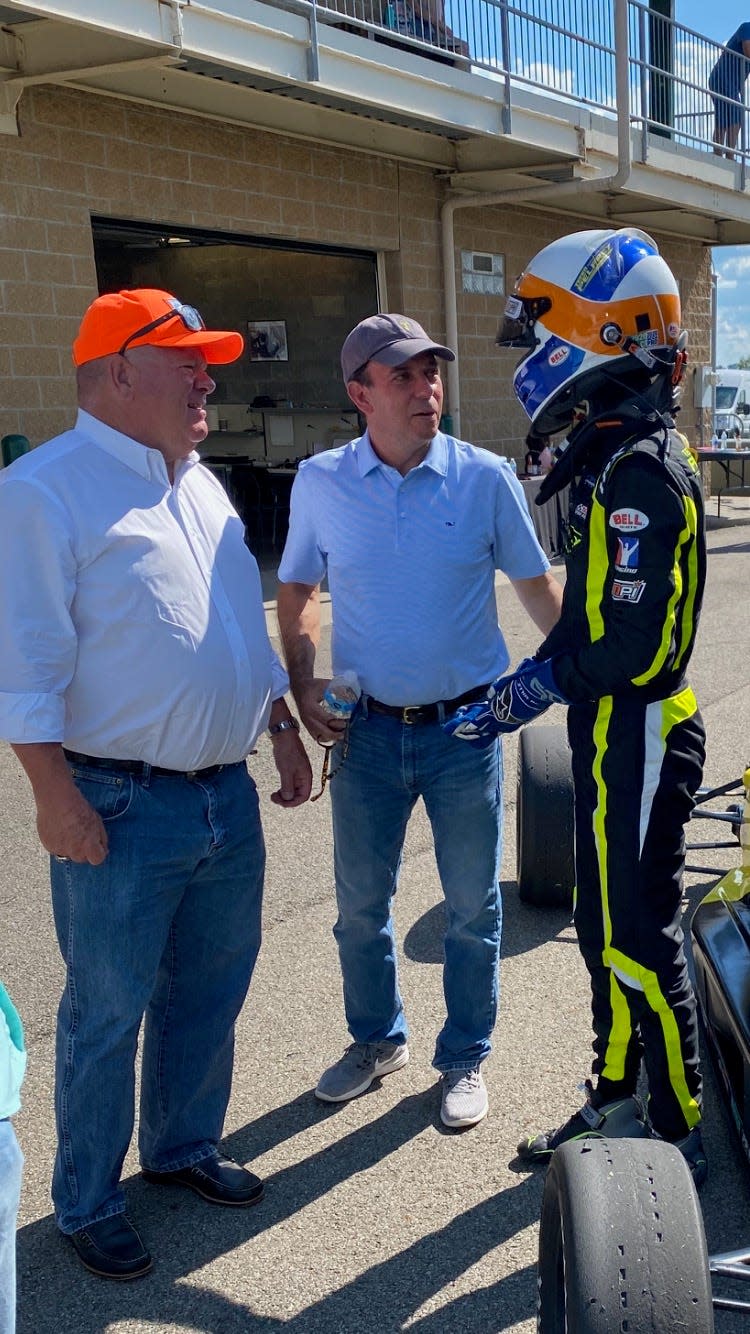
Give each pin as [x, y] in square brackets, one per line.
[12, 1067]
[726, 85]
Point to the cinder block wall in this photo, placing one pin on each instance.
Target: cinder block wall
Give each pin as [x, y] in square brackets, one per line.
[80, 154]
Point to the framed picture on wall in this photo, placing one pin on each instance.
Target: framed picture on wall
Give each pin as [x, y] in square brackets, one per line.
[266, 340]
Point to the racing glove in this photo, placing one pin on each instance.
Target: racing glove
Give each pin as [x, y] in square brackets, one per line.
[511, 701]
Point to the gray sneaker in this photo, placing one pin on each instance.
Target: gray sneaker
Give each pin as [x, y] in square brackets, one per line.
[359, 1066]
[464, 1098]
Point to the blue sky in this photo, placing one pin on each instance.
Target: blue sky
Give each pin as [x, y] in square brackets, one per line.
[717, 20]
[732, 263]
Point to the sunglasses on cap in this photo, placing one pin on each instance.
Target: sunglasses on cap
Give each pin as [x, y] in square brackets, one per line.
[191, 318]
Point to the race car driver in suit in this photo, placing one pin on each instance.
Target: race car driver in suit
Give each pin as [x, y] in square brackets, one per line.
[598, 316]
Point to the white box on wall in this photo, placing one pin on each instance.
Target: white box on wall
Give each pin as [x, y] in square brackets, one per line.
[280, 430]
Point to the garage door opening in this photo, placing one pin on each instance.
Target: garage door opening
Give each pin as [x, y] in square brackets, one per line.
[284, 399]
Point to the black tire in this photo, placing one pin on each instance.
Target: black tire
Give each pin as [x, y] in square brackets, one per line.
[544, 818]
[621, 1242]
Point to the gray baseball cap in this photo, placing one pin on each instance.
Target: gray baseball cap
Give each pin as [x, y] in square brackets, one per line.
[389, 339]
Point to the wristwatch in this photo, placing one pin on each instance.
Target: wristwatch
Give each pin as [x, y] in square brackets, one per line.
[288, 725]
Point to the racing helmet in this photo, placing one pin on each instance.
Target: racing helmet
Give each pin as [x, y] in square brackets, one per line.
[597, 312]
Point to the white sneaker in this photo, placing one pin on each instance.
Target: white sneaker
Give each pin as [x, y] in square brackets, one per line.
[358, 1067]
[464, 1098]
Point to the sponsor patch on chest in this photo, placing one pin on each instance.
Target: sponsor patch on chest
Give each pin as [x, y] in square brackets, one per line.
[627, 554]
[628, 520]
[628, 590]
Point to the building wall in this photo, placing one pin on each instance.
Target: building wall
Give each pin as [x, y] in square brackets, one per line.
[80, 154]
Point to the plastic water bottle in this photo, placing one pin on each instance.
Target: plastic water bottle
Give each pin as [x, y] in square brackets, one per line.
[341, 695]
[714, 441]
[723, 440]
[513, 466]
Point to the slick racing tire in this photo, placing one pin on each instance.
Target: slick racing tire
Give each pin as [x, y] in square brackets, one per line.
[544, 818]
[621, 1242]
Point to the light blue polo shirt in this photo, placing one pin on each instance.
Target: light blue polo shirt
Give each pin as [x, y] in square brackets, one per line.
[411, 563]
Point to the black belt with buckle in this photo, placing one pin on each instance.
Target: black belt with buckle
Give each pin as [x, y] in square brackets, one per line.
[427, 713]
[139, 767]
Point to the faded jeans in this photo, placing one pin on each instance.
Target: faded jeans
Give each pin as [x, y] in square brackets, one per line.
[168, 926]
[11, 1171]
[389, 765]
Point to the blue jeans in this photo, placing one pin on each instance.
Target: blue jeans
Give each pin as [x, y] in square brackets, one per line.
[11, 1171]
[389, 765]
[168, 926]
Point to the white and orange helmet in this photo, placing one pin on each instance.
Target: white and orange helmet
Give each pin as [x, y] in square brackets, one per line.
[599, 311]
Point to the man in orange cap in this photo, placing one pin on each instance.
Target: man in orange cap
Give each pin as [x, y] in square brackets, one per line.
[137, 678]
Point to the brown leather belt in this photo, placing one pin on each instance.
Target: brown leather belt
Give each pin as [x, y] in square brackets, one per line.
[426, 713]
[139, 767]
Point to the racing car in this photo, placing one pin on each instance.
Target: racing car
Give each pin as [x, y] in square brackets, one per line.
[621, 1241]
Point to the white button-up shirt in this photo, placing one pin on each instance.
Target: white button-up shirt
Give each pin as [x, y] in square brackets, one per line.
[411, 563]
[131, 614]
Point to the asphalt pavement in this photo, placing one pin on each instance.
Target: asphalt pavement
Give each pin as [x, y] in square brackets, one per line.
[375, 1218]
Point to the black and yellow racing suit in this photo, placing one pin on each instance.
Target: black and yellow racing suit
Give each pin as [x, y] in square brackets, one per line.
[635, 576]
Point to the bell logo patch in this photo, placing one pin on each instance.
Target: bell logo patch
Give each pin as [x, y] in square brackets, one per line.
[628, 520]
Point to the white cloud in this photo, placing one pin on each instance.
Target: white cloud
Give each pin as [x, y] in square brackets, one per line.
[733, 335]
[694, 59]
[734, 266]
[550, 77]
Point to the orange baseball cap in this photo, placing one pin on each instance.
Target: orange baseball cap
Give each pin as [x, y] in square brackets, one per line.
[148, 317]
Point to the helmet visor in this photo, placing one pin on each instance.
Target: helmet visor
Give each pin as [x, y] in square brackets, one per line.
[517, 325]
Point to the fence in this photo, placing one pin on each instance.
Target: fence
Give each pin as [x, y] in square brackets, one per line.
[567, 49]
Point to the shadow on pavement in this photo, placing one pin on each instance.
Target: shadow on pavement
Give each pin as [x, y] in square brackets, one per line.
[524, 927]
[734, 549]
[55, 1294]
[423, 941]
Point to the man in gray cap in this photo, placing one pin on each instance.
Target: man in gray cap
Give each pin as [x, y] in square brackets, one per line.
[410, 526]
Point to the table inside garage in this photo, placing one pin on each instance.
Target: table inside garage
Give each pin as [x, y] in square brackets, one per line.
[260, 493]
[548, 519]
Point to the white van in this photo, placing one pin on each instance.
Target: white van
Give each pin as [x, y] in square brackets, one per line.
[732, 402]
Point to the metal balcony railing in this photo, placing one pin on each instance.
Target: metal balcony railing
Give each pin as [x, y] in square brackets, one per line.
[566, 48]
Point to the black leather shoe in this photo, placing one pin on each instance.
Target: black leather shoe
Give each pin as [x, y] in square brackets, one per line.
[112, 1248]
[217, 1179]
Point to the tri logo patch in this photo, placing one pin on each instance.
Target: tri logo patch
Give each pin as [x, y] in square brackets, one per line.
[628, 590]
